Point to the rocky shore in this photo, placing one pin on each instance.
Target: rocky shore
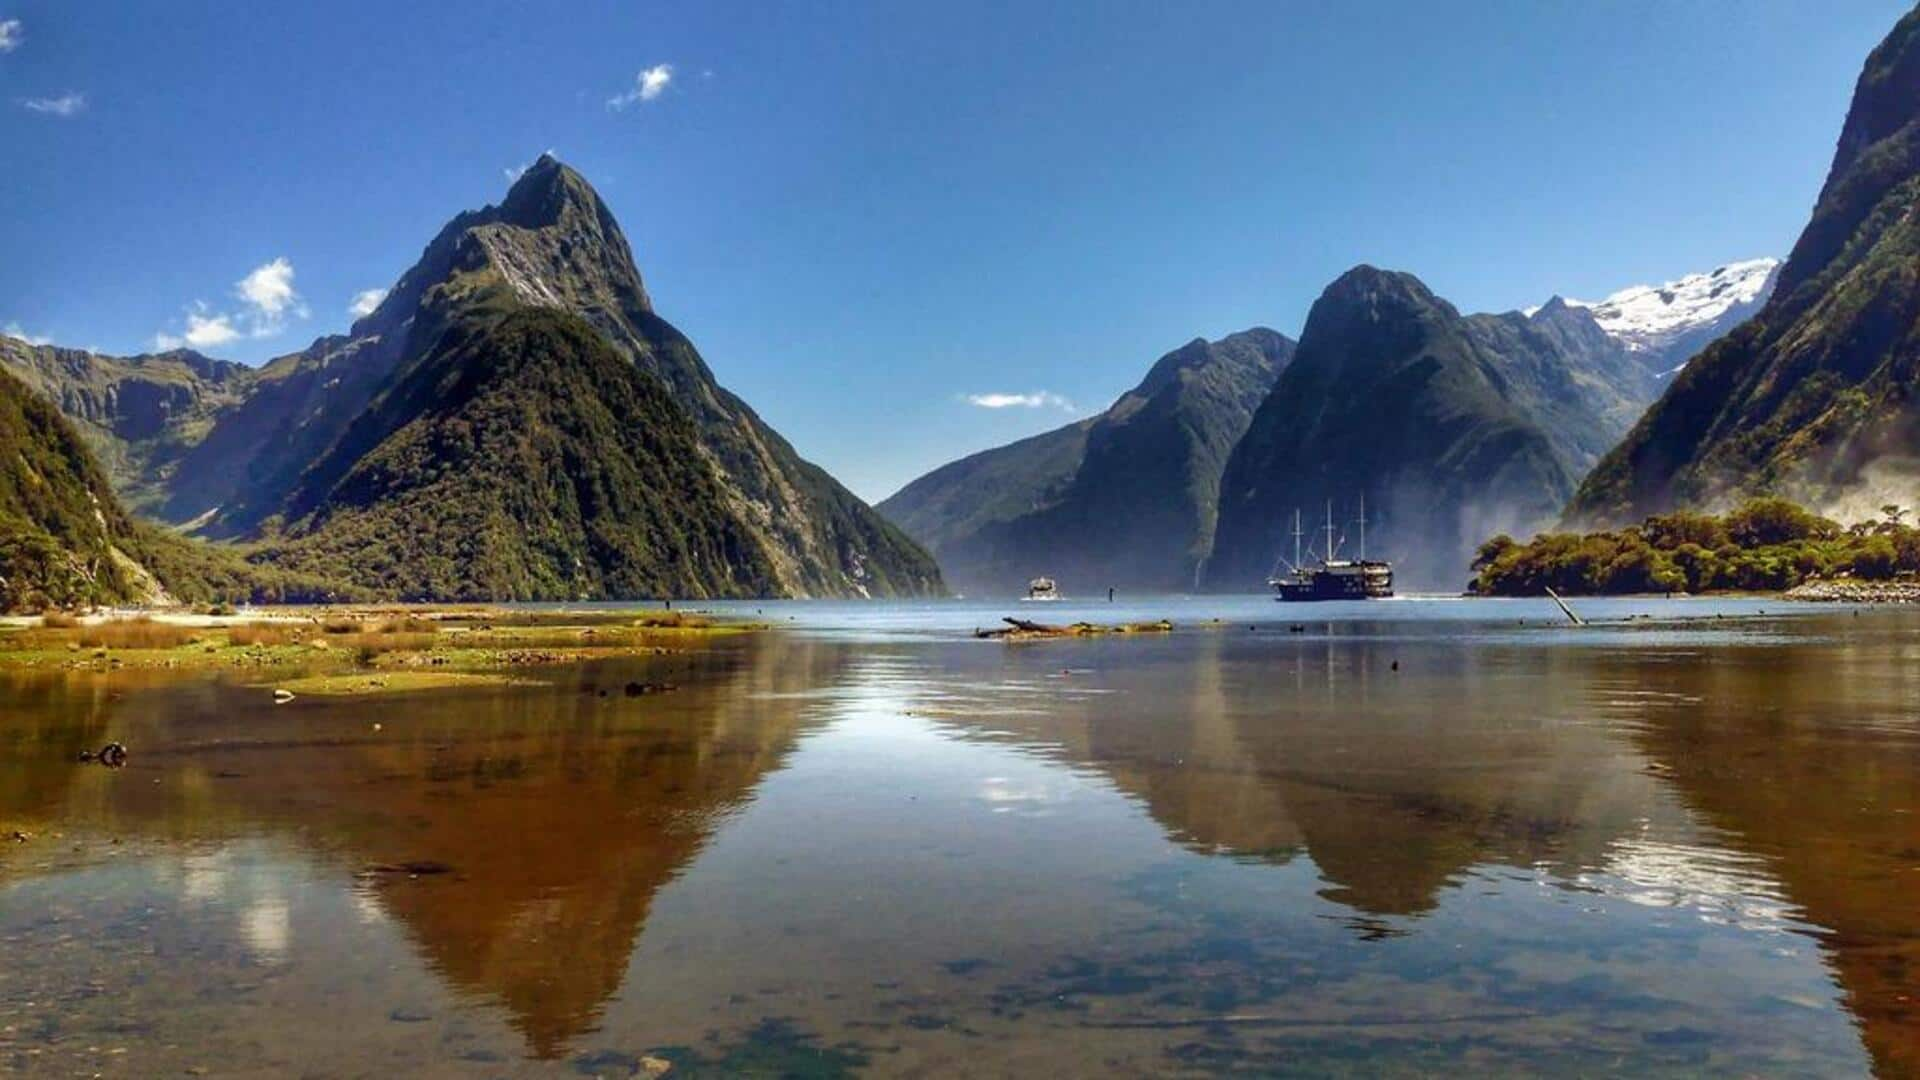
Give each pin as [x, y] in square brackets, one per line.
[1856, 591]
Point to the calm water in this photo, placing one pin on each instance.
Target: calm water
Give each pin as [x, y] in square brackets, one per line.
[1412, 837]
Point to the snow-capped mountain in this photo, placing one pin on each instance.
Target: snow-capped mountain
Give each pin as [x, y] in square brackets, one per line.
[1679, 318]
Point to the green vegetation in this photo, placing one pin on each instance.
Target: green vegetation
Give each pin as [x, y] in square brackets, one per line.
[1766, 544]
[66, 542]
[521, 459]
[59, 521]
[201, 573]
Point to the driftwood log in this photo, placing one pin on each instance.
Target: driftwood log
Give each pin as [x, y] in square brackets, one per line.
[1023, 629]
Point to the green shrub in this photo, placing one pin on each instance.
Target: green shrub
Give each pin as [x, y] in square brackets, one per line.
[1764, 545]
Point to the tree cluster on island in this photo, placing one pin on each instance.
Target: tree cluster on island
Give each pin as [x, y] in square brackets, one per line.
[1765, 544]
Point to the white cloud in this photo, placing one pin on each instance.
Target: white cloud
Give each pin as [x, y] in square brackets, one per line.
[269, 296]
[647, 86]
[365, 301]
[1036, 400]
[654, 80]
[66, 104]
[205, 330]
[269, 287]
[268, 291]
[11, 35]
[14, 330]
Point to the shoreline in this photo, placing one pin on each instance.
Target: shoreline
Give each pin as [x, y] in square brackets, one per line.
[355, 650]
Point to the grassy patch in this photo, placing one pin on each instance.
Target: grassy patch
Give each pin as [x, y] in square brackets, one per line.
[140, 632]
[331, 639]
[358, 683]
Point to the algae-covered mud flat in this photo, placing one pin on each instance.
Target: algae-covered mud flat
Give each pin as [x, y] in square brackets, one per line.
[1393, 839]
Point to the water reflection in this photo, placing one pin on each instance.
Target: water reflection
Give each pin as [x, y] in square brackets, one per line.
[1397, 765]
[1807, 760]
[517, 838]
[1380, 850]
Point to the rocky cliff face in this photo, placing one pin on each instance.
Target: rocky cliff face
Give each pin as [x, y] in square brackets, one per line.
[1452, 427]
[138, 414]
[1126, 499]
[1814, 397]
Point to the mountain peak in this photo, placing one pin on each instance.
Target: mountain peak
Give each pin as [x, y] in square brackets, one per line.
[1378, 288]
[546, 193]
[1367, 295]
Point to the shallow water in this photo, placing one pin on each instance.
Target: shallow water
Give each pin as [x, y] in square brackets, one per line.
[1408, 837]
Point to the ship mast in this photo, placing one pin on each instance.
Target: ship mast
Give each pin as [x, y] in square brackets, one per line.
[1329, 531]
[1296, 538]
[1363, 526]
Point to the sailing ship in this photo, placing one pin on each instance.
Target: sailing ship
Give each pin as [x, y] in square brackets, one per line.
[1334, 579]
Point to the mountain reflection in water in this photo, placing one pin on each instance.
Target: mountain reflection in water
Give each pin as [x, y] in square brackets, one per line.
[1384, 847]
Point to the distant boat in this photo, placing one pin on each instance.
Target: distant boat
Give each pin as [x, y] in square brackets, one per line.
[1335, 579]
[1042, 588]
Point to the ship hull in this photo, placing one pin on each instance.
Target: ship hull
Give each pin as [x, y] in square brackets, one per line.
[1339, 581]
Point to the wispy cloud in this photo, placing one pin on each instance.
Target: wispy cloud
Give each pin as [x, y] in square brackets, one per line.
[1039, 399]
[14, 330]
[365, 301]
[268, 298]
[647, 86]
[11, 34]
[67, 104]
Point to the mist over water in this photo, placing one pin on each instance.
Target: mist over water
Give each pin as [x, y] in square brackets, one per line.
[1408, 837]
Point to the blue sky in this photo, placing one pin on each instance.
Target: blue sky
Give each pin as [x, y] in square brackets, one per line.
[865, 214]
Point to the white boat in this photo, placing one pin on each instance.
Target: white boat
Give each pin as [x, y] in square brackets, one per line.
[1042, 588]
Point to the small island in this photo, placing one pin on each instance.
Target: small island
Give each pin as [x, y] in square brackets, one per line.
[1765, 544]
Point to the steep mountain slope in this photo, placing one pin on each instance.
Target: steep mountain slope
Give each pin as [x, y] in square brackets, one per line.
[1452, 427]
[955, 501]
[556, 245]
[62, 531]
[1813, 397]
[1581, 385]
[521, 458]
[232, 479]
[139, 414]
[1666, 325]
[1125, 499]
